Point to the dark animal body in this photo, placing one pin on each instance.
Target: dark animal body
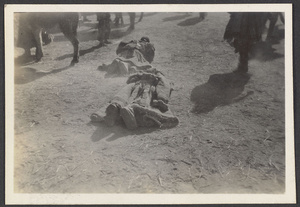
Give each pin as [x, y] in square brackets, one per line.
[31, 25]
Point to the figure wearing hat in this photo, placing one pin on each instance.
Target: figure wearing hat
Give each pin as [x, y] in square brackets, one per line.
[133, 56]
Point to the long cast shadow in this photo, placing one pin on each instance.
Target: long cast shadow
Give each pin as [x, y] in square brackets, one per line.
[26, 75]
[115, 132]
[220, 89]
[81, 52]
[118, 33]
[25, 60]
[148, 14]
[113, 35]
[190, 21]
[177, 17]
[277, 35]
[263, 51]
[91, 34]
[83, 36]
[119, 26]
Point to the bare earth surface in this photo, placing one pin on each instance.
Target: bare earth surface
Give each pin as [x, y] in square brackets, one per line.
[230, 139]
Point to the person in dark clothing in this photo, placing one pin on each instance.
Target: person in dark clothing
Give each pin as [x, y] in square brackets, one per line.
[103, 28]
[243, 30]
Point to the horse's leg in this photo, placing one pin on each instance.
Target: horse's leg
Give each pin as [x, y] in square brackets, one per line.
[281, 17]
[27, 52]
[141, 17]
[107, 31]
[132, 19]
[273, 19]
[69, 29]
[37, 34]
[117, 19]
[122, 20]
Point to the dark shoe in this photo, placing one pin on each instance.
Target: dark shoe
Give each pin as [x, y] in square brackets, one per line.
[160, 105]
[128, 117]
[96, 118]
[101, 44]
[102, 67]
[241, 69]
[112, 114]
[99, 115]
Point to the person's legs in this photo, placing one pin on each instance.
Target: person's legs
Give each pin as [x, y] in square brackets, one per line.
[243, 63]
[107, 29]
[112, 114]
[128, 117]
[101, 31]
[243, 50]
[120, 100]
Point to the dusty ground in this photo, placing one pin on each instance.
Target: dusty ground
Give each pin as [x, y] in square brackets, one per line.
[231, 134]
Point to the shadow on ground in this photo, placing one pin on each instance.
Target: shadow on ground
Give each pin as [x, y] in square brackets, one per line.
[113, 133]
[263, 51]
[148, 14]
[118, 33]
[83, 37]
[220, 89]
[91, 34]
[27, 75]
[277, 34]
[177, 17]
[115, 34]
[190, 21]
[25, 60]
[81, 52]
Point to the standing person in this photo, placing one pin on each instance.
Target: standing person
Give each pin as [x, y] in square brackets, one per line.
[118, 18]
[243, 30]
[202, 15]
[132, 20]
[103, 28]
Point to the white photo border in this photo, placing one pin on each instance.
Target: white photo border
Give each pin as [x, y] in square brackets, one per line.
[12, 198]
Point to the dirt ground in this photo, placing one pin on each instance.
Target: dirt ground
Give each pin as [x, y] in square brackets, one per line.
[231, 135]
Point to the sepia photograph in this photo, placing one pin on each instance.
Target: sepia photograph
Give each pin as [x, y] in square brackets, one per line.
[149, 104]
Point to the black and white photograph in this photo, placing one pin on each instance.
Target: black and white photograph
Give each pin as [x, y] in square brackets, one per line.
[149, 104]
